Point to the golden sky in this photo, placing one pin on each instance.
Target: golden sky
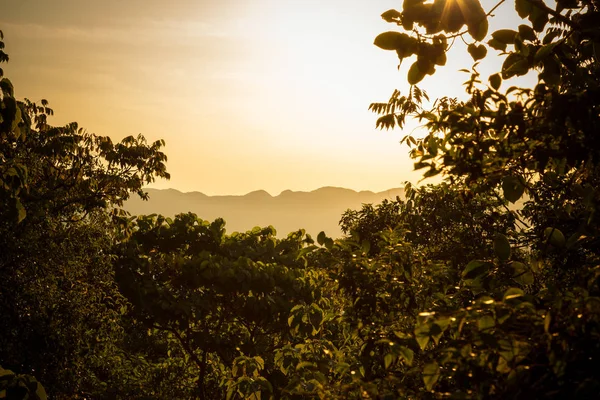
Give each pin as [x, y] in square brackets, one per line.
[248, 94]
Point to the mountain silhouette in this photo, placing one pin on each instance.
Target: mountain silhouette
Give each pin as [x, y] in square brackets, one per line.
[316, 211]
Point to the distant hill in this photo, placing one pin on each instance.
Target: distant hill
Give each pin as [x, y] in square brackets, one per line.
[319, 210]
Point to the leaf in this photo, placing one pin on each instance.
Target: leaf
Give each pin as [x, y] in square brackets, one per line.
[547, 321]
[436, 333]
[514, 65]
[474, 269]
[407, 354]
[260, 363]
[40, 392]
[392, 40]
[321, 238]
[477, 51]
[440, 59]
[365, 246]
[478, 31]
[544, 51]
[21, 212]
[555, 237]
[7, 87]
[513, 293]
[422, 335]
[305, 364]
[415, 75]
[527, 33]
[505, 36]
[486, 323]
[551, 73]
[431, 374]
[497, 44]
[523, 8]
[495, 81]
[501, 247]
[5, 372]
[388, 359]
[522, 273]
[512, 188]
[538, 18]
[328, 243]
[391, 15]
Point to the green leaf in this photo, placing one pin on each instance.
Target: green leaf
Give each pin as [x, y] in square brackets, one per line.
[431, 374]
[477, 51]
[555, 237]
[422, 335]
[7, 87]
[365, 246]
[475, 268]
[486, 323]
[388, 359]
[328, 243]
[5, 372]
[513, 188]
[495, 81]
[501, 247]
[513, 293]
[305, 364]
[40, 392]
[547, 321]
[407, 354]
[415, 75]
[21, 212]
[522, 273]
[321, 238]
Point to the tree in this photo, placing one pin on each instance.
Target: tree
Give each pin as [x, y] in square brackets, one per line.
[223, 300]
[59, 190]
[543, 142]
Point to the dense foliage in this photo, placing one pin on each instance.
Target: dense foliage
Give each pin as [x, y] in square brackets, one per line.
[484, 286]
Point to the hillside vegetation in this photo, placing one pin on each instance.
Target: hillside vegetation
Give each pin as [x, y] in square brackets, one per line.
[447, 293]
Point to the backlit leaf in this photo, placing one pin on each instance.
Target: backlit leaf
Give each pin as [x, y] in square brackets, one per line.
[555, 237]
[415, 75]
[495, 81]
[431, 374]
[512, 188]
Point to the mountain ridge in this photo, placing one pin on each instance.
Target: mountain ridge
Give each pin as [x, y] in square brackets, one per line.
[315, 211]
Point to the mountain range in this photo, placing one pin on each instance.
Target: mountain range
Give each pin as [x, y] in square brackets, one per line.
[316, 211]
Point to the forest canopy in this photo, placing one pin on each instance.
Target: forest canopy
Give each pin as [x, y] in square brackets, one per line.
[484, 286]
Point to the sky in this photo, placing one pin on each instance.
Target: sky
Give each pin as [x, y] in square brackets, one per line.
[247, 94]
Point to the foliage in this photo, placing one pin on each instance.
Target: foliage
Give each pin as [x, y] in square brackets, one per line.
[20, 387]
[484, 286]
[222, 299]
[526, 340]
[60, 307]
